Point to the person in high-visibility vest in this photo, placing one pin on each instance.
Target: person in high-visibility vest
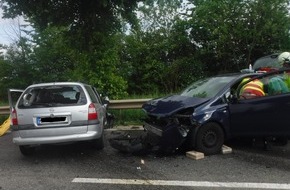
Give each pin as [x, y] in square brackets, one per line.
[284, 61]
[277, 85]
[252, 89]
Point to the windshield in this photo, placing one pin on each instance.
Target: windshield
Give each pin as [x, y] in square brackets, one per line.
[208, 87]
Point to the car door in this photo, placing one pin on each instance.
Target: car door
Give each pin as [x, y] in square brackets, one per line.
[13, 96]
[262, 116]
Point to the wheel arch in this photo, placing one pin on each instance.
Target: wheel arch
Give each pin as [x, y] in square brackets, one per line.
[220, 124]
[195, 135]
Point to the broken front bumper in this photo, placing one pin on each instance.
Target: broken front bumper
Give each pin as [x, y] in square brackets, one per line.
[168, 138]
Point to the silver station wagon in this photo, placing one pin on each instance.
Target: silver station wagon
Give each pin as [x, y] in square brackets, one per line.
[60, 112]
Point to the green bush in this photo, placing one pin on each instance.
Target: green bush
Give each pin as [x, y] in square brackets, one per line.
[3, 118]
[127, 116]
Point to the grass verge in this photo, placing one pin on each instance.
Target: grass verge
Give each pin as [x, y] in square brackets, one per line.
[128, 116]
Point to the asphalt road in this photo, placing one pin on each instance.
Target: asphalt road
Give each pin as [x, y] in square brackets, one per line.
[78, 166]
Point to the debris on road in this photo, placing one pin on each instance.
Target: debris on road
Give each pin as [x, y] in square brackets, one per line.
[226, 149]
[137, 143]
[4, 128]
[142, 161]
[129, 143]
[195, 155]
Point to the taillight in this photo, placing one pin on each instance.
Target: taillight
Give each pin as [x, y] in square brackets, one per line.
[92, 114]
[14, 117]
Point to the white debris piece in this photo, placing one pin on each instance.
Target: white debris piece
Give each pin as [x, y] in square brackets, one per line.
[195, 155]
[226, 149]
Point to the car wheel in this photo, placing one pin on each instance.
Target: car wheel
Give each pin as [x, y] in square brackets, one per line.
[27, 150]
[99, 143]
[210, 139]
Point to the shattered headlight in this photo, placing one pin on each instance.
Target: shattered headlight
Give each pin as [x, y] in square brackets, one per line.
[183, 122]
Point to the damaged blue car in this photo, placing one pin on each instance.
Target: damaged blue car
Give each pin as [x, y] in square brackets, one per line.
[212, 110]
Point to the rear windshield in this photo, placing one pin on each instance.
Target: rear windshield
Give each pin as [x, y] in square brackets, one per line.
[52, 96]
[92, 94]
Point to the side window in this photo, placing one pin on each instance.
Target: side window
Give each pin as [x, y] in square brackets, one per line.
[277, 84]
[13, 96]
[269, 85]
[226, 98]
[250, 89]
[92, 94]
[97, 94]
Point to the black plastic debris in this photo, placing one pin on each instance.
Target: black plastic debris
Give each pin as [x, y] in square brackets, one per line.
[127, 142]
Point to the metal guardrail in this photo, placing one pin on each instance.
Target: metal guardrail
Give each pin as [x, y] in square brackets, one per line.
[4, 110]
[114, 104]
[127, 104]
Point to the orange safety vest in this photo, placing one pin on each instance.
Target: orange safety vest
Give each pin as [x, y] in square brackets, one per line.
[253, 89]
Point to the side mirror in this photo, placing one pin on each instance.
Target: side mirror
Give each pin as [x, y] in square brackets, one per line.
[234, 98]
[231, 97]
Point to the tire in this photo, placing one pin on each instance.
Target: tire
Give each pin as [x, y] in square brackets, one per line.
[210, 139]
[99, 143]
[110, 121]
[27, 150]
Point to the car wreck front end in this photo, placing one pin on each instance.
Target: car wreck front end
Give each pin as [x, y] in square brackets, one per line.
[169, 120]
[172, 121]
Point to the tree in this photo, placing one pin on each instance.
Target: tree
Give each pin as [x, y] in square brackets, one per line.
[76, 39]
[160, 53]
[52, 58]
[16, 68]
[232, 34]
[169, 45]
[102, 68]
[82, 18]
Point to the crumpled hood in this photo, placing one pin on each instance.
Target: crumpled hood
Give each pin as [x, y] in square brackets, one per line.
[169, 105]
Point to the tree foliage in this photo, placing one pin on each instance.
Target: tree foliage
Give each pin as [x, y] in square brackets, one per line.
[155, 46]
[232, 34]
[81, 17]
[160, 54]
[17, 69]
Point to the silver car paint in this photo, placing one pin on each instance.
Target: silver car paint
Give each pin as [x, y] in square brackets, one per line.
[75, 127]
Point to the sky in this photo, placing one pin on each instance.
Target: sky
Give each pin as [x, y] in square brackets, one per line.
[9, 29]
